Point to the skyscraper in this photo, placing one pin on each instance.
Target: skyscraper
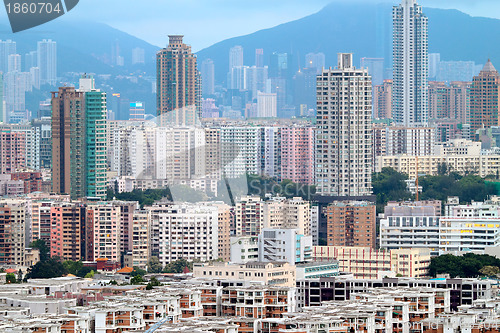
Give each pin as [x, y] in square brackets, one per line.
[178, 83]
[485, 98]
[235, 57]
[47, 61]
[375, 68]
[138, 56]
[266, 105]
[382, 100]
[79, 141]
[67, 141]
[315, 60]
[259, 57]
[14, 63]
[95, 139]
[208, 77]
[344, 137]
[411, 60]
[7, 48]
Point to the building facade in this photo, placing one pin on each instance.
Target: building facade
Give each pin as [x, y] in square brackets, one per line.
[344, 137]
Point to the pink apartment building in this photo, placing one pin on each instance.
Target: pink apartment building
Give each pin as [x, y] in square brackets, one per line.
[297, 154]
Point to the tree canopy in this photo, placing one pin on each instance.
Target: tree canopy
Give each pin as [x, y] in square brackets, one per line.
[466, 266]
[50, 268]
[389, 185]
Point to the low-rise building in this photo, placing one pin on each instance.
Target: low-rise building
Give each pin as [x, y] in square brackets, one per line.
[269, 273]
[367, 263]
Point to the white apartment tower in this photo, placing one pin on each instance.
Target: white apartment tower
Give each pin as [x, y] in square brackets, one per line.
[411, 65]
[344, 136]
[47, 61]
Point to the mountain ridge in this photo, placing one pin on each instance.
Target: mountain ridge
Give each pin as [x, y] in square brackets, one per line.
[364, 30]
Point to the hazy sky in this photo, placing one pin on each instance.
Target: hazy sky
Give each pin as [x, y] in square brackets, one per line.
[205, 22]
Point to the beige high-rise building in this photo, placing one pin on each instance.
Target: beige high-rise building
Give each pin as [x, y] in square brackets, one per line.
[140, 238]
[178, 84]
[460, 101]
[343, 137]
[249, 216]
[13, 218]
[212, 152]
[439, 100]
[382, 100]
[281, 213]
[226, 218]
[485, 98]
[450, 101]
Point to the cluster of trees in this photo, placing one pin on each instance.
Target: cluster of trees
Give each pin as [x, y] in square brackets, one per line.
[466, 266]
[145, 198]
[51, 267]
[148, 197]
[389, 185]
[178, 266]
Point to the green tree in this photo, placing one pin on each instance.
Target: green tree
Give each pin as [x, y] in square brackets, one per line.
[466, 266]
[10, 278]
[177, 266]
[153, 282]
[490, 270]
[154, 265]
[136, 280]
[73, 267]
[42, 247]
[90, 275]
[50, 268]
[138, 272]
[389, 185]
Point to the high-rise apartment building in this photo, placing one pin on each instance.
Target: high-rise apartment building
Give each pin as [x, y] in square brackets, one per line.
[266, 105]
[103, 221]
[485, 98]
[95, 140]
[382, 100]
[7, 48]
[249, 216]
[184, 231]
[12, 151]
[259, 57]
[178, 84]
[14, 63]
[67, 235]
[316, 61]
[208, 77]
[138, 56]
[14, 217]
[235, 57]
[47, 61]
[344, 136]
[297, 154]
[351, 224]
[375, 67]
[439, 100]
[460, 101]
[411, 61]
[240, 151]
[68, 155]
[79, 141]
[450, 101]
